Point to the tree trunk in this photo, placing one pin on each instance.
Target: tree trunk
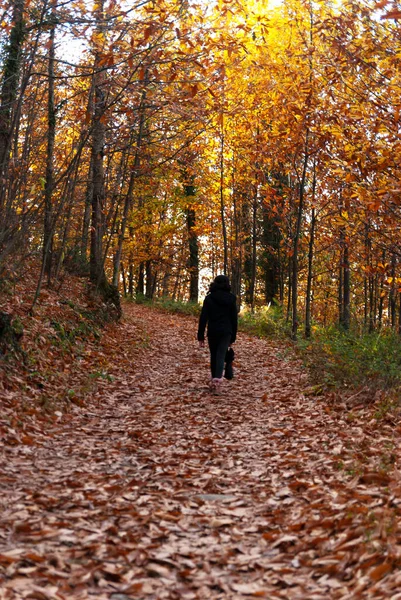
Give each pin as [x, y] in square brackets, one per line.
[87, 211]
[131, 279]
[392, 299]
[222, 207]
[289, 297]
[399, 316]
[346, 289]
[140, 285]
[149, 279]
[124, 280]
[166, 282]
[97, 274]
[252, 290]
[193, 262]
[381, 294]
[308, 308]
[297, 234]
[51, 136]
[270, 262]
[341, 287]
[11, 72]
[236, 254]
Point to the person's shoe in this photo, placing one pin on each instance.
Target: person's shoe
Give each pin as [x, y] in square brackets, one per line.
[216, 385]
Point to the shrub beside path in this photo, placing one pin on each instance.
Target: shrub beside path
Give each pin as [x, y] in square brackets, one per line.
[155, 489]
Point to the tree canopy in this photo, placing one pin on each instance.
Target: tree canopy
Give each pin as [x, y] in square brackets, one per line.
[154, 145]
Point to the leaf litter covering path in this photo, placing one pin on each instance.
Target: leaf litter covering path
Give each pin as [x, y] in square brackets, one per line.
[158, 490]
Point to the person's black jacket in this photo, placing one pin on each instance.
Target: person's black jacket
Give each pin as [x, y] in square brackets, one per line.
[219, 312]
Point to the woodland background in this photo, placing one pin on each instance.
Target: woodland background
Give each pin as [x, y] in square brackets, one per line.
[152, 145]
[144, 148]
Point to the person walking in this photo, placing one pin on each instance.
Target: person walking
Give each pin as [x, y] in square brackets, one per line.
[219, 313]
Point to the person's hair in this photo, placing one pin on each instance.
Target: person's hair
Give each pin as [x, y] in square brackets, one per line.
[221, 282]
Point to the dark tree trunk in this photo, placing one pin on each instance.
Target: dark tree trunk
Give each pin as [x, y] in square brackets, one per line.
[149, 279]
[247, 249]
[381, 294]
[87, 212]
[341, 288]
[270, 261]
[347, 289]
[308, 308]
[9, 88]
[140, 283]
[296, 239]
[193, 262]
[289, 297]
[123, 277]
[252, 287]
[393, 295]
[97, 274]
[399, 315]
[236, 253]
[166, 282]
[222, 206]
[131, 279]
[51, 136]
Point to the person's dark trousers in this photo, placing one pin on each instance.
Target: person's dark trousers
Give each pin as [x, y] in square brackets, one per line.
[218, 346]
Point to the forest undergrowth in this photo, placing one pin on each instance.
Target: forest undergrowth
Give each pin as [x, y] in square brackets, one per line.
[142, 485]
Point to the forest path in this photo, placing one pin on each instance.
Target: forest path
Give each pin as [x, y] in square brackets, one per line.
[156, 489]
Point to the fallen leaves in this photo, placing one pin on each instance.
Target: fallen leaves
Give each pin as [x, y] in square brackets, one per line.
[155, 489]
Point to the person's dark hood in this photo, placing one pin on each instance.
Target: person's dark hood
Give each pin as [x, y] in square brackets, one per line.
[222, 297]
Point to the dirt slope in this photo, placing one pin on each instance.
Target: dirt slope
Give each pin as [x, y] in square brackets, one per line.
[155, 489]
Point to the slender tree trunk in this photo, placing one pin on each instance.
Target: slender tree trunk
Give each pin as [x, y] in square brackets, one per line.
[51, 136]
[8, 94]
[399, 315]
[371, 305]
[97, 274]
[166, 281]
[297, 234]
[393, 299]
[149, 279]
[365, 301]
[341, 284]
[347, 288]
[193, 262]
[123, 277]
[289, 297]
[236, 261]
[193, 244]
[87, 211]
[308, 308]
[140, 286]
[254, 252]
[89, 191]
[176, 284]
[375, 299]
[222, 204]
[381, 294]
[131, 279]
[281, 275]
[270, 257]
